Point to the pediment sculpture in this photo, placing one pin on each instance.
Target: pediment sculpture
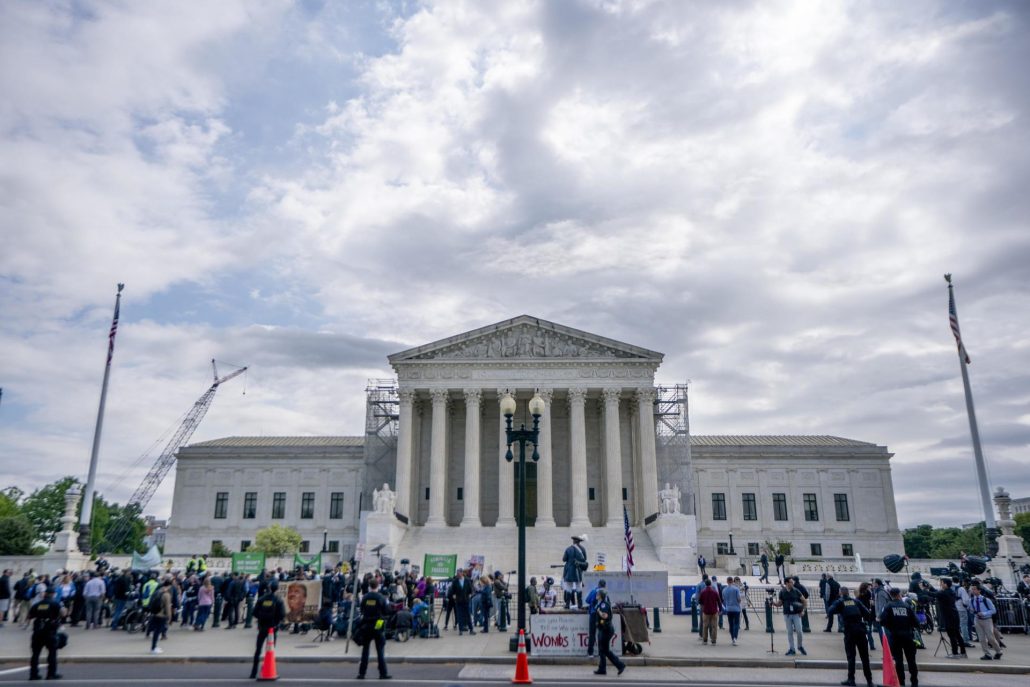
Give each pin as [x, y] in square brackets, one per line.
[525, 341]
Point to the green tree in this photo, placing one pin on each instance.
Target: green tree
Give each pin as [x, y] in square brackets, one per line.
[45, 506]
[276, 540]
[219, 550]
[9, 499]
[1023, 529]
[17, 535]
[105, 515]
[917, 541]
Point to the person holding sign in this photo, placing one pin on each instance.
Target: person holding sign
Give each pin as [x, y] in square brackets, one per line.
[605, 634]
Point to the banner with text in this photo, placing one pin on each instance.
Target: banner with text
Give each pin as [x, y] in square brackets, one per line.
[566, 634]
[440, 566]
[250, 563]
[313, 563]
[650, 587]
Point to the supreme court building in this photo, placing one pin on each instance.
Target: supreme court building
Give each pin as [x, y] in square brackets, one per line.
[610, 438]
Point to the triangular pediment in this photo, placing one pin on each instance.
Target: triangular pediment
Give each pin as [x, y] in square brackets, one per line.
[526, 338]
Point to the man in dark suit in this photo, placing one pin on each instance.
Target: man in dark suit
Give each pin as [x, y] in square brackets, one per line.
[460, 594]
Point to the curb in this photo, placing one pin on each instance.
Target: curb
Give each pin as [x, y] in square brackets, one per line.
[654, 662]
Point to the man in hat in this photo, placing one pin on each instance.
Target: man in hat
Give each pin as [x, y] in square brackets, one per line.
[575, 560]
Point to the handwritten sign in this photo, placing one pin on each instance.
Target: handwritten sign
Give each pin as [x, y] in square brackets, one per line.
[650, 588]
[566, 634]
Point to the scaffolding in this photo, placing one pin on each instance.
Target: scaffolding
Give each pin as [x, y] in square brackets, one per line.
[382, 418]
[672, 438]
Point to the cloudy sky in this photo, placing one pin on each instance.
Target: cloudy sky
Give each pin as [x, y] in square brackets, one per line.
[767, 192]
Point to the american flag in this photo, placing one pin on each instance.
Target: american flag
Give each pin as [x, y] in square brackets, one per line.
[114, 325]
[953, 316]
[629, 541]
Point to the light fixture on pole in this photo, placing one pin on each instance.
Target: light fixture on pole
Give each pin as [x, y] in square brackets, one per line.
[325, 540]
[521, 436]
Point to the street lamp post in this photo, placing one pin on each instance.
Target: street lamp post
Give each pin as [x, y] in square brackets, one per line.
[325, 540]
[522, 435]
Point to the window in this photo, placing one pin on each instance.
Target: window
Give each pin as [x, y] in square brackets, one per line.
[336, 505]
[244, 545]
[427, 493]
[250, 505]
[811, 508]
[461, 493]
[722, 548]
[840, 504]
[780, 506]
[817, 549]
[279, 505]
[307, 505]
[625, 494]
[718, 506]
[334, 546]
[305, 546]
[221, 505]
[752, 549]
[750, 507]
[847, 550]
[590, 493]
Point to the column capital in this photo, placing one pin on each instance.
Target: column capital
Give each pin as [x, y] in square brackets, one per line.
[440, 395]
[646, 395]
[406, 395]
[501, 392]
[473, 396]
[546, 394]
[611, 394]
[577, 395]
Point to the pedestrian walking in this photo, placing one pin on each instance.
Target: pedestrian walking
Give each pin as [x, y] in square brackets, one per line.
[710, 605]
[701, 565]
[832, 594]
[853, 614]
[781, 570]
[160, 607]
[983, 618]
[901, 624]
[269, 611]
[94, 594]
[592, 600]
[5, 596]
[763, 560]
[373, 622]
[46, 621]
[731, 604]
[794, 604]
[205, 600]
[605, 634]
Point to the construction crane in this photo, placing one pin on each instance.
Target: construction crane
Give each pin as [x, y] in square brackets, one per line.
[121, 528]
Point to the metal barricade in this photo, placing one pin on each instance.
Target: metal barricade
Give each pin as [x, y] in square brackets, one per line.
[1011, 615]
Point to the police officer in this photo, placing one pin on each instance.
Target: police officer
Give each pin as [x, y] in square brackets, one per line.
[605, 633]
[854, 614]
[901, 624]
[269, 611]
[591, 601]
[373, 621]
[46, 617]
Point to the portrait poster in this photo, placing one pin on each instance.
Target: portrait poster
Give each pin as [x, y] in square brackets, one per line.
[302, 599]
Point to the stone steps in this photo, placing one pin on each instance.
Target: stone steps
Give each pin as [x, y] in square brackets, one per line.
[544, 547]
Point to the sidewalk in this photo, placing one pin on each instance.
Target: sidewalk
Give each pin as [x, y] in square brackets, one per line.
[675, 646]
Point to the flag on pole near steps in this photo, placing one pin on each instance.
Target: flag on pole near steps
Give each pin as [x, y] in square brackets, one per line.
[953, 318]
[629, 542]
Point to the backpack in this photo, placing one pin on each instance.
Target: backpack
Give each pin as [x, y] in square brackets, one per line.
[155, 605]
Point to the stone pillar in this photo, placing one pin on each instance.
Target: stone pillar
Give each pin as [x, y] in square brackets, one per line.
[66, 541]
[438, 460]
[613, 457]
[648, 453]
[545, 468]
[473, 398]
[505, 476]
[578, 474]
[404, 435]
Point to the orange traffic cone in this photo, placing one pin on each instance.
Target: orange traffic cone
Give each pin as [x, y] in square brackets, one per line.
[522, 663]
[890, 676]
[268, 671]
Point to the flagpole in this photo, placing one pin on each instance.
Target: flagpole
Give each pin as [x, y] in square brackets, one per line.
[981, 465]
[85, 516]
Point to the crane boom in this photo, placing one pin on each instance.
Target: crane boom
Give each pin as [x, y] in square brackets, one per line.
[145, 491]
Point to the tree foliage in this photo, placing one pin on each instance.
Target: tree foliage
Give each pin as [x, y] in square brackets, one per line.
[926, 541]
[17, 536]
[45, 506]
[1023, 529]
[9, 499]
[276, 540]
[220, 550]
[105, 515]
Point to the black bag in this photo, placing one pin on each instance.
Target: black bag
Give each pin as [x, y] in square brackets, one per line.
[362, 635]
[155, 605]
[62, 640]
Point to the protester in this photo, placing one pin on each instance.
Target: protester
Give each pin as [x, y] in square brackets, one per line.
[794, 604]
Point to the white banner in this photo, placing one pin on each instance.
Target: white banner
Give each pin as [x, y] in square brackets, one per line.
[566, 634]
[650, 587]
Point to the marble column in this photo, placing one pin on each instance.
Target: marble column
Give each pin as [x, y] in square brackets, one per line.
[613, 457]
[648, 453]
[438, 460]
[473, 398]
[505, 476]
[402, 480]
[578, 474]
[545, 467]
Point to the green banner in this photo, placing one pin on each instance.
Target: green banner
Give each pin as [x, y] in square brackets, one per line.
[313, 563]
[440, 566]
[248, 563]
